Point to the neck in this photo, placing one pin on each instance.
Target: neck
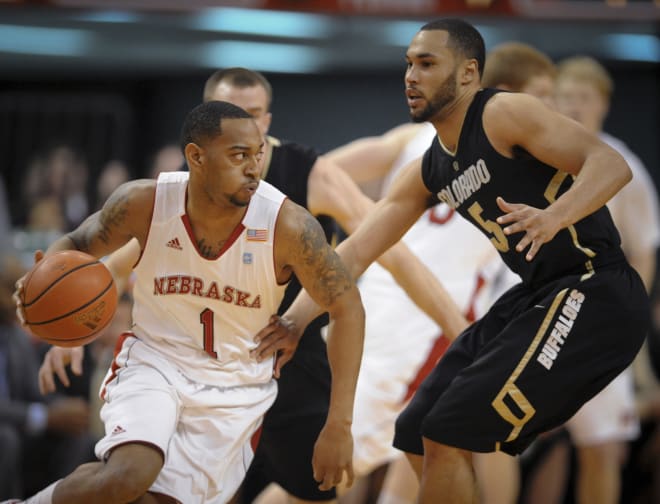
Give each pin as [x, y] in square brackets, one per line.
[449, 121]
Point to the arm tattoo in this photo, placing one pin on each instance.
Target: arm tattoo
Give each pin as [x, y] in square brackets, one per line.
[112, 216]
[80, 242]
[332, 277]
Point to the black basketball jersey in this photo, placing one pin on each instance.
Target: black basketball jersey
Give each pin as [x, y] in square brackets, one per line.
[288, 170]
[471, 180]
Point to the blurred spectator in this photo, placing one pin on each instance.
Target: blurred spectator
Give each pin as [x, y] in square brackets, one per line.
[41, 440]
[5, 221]
[113, 174]
[59, 176]
[167, 158]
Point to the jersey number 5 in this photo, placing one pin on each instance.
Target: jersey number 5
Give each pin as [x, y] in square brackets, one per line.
[498, 237]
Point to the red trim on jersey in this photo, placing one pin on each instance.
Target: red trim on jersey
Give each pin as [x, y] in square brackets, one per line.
[146, 238]
[254, 440]
[114, 366]
[277, 220]
[441, 343]
[238, 230]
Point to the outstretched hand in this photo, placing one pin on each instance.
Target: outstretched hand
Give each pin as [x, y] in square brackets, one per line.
[55, 362]
[538, 225]
[280, 339]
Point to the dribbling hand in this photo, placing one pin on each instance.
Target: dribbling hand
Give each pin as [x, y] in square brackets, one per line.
[18, 292]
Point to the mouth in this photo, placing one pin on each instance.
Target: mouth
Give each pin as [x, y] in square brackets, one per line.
[414, 97]
[251, 187]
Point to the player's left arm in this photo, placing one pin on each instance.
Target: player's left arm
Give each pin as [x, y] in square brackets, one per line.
[332, 192]
[301, 247]
[517, 120]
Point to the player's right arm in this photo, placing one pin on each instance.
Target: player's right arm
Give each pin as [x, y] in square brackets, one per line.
[125, 215]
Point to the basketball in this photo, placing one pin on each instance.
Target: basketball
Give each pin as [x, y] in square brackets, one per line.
[68, 298]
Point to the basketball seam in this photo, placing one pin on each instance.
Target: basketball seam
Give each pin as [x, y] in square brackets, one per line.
[47, 288]
[73, 311]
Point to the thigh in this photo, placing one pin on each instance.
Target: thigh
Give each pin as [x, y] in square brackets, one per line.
[460, 355]
[209, 453]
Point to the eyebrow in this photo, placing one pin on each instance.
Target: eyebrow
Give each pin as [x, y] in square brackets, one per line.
[421, 55]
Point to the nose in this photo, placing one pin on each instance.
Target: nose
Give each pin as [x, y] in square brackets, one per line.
[253, 167]
[410, 75]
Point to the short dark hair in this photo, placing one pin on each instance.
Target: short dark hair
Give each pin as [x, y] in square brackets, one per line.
[239, 77]
[463, 37]
[205, 121]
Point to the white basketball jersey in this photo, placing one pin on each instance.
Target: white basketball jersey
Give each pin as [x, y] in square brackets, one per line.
[202, 314]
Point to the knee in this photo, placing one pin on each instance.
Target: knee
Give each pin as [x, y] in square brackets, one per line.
[437, 453]
[129, 472]
[406, 433]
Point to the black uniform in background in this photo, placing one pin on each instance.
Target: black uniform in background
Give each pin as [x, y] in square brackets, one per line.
[292, 425]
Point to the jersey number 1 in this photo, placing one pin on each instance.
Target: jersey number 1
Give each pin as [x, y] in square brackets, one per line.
[206, 319]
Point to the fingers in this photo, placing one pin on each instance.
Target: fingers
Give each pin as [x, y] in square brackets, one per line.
[54, 364]
[331, 478]
[38, 256]
[281, 359]
[77, 355]
[350, 475]
[267, 347]
[46, 382]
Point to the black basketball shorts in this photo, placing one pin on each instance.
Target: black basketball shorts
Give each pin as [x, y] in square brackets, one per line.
[529, 364]
[292, 426]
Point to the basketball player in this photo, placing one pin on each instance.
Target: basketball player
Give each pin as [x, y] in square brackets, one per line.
[602, 429]
[291, 426]
[535, 183]
[184, 396]
[471, 270]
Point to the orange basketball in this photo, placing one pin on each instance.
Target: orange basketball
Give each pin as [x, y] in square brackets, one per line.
[68, 298]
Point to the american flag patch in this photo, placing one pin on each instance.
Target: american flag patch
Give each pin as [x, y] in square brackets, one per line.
[257, 234]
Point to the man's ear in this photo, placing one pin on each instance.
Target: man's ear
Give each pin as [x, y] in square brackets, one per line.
[194, 155]
[470, 71]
